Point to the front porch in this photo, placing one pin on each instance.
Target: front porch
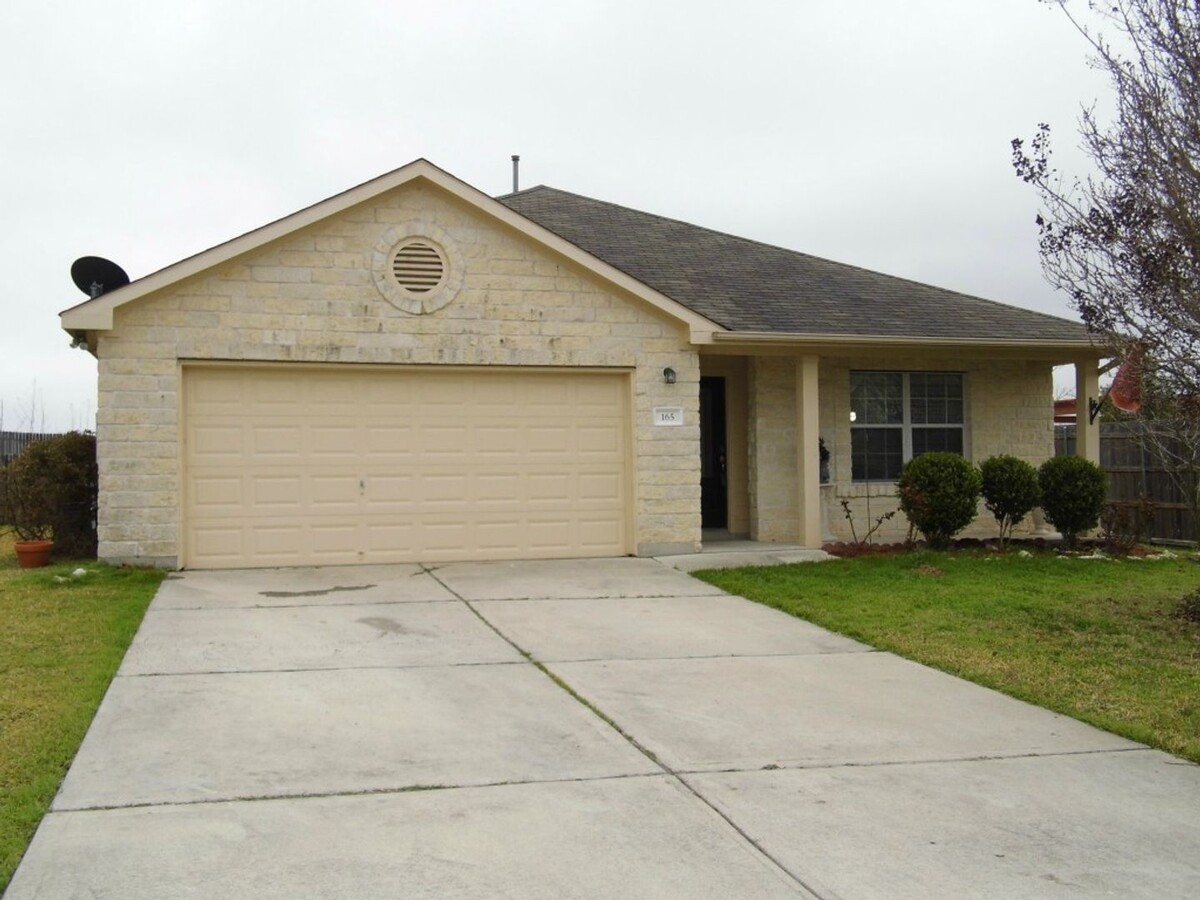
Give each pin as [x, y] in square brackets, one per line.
[764, 418]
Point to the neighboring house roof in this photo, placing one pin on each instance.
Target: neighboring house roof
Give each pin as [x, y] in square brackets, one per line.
[1064, 411]
[747, 286]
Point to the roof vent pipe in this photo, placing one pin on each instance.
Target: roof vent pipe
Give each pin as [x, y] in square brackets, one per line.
[516, 159]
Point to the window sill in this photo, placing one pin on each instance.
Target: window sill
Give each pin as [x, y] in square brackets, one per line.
[868, 489]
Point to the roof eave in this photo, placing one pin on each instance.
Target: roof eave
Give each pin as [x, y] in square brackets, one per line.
[843, 344]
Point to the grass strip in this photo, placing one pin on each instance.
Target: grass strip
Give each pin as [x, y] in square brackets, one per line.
[61, 640]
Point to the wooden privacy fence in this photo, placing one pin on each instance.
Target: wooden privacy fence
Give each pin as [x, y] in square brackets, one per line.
[1135, 471]
[13, 442]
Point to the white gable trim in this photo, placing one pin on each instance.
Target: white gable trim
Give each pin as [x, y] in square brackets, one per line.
[97, 314]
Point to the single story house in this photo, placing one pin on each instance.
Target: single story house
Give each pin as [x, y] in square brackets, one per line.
[415, 371]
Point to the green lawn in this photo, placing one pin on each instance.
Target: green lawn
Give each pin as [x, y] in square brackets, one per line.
[60, 643]
[1099, 640]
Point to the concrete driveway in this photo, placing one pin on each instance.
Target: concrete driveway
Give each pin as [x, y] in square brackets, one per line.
[603, 728]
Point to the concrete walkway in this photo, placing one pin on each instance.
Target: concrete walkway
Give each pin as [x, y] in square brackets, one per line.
[603, 728]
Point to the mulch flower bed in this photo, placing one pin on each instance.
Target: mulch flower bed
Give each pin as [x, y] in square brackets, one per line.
[1087, 547]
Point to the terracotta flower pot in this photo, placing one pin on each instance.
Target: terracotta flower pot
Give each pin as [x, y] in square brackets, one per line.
[33, 554]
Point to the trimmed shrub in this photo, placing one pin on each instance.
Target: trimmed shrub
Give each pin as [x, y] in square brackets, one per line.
[1010, 491]
[939, 492]
[1073, 493]
[51, 489]
[1123, 523]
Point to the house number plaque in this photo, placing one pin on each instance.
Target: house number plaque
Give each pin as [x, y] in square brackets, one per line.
[668, 415]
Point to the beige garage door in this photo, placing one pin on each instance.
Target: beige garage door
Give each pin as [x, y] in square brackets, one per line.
[293, 466]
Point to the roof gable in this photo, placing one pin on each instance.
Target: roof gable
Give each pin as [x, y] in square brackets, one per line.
[748, 286]
[97, 313]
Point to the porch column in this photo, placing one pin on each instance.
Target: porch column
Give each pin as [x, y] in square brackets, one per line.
[808, 460]
[1087, 388]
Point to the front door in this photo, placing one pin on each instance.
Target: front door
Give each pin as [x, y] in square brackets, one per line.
[714, 484]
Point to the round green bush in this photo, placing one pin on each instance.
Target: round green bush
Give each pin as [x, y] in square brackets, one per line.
[939, 492]
[1010, 490]
[1073, 494]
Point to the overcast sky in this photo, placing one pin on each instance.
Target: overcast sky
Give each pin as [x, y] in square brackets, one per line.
[873, 132]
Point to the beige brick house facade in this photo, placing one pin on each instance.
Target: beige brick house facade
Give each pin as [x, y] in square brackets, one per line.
[313, 301]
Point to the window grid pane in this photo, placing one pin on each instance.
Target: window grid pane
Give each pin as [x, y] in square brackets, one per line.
[877, 454]
[929, 440]
[877, 398]
[883, 431]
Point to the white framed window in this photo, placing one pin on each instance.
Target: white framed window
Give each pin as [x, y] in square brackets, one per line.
[895, 416]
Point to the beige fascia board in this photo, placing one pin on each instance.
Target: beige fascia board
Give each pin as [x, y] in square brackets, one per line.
[97, 314]
[843, 345]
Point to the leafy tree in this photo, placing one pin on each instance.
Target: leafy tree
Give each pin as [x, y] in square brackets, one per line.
[1124, 242]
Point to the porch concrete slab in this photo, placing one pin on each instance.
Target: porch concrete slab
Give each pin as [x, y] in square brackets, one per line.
[338, 636]
[642, 837]
[190, 738]
[735, 555]
[657, 628]
[564, 579]
[830, 709]
[1123, 824]
[298, 587]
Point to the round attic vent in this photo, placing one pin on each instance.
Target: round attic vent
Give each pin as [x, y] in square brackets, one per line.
[418, 267]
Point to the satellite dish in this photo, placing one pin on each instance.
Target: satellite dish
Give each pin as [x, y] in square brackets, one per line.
[95, 275]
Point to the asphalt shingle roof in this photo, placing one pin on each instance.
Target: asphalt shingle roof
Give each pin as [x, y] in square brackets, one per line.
[745, 285]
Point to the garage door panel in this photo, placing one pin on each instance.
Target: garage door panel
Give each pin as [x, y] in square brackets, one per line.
[548, 442]
[303, 466]
[276, 494]
[388, 493]
[218, 495]
[599, 532]
[550, 534]
[497, 441]
[216, 443]
[335, 538]
[601, 396]
[218, 545]
[441, 535]
[279, 541]
[335, 441]
[334, 493]
[385, 537]
[497, 488]
[390, 442]
[272, 443]
[601, 440]
[549, 397]
[599, 487]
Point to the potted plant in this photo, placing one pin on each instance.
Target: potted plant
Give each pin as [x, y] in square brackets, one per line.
[26, 506]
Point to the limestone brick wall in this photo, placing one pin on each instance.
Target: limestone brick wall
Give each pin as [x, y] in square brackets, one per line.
[1008, 411]
[311, 298]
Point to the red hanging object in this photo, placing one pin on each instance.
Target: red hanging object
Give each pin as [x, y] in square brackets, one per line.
[1126, 390]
